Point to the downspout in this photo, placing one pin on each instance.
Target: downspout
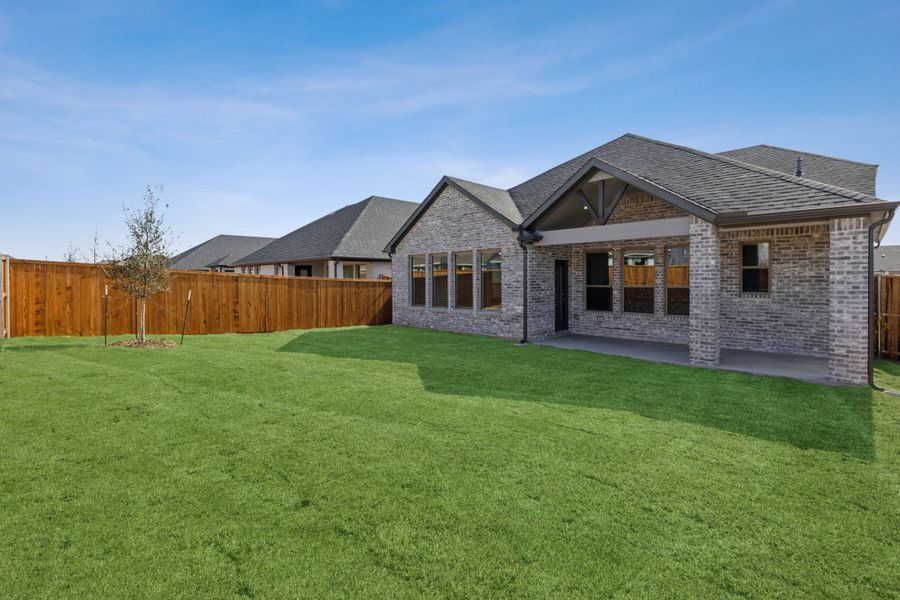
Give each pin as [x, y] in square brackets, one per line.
[871, 296]
[525, 237]
[524, 248]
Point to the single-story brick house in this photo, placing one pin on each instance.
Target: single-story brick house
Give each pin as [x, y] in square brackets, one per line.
[760, 249]
[218, 253]
[347, 243]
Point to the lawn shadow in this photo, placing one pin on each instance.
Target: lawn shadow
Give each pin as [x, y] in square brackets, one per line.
[804, 415]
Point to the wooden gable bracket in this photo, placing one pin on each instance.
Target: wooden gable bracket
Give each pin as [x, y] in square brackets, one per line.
[608, 210]
[590, 209]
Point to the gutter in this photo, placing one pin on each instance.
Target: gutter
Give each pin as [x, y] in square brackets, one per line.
[870, 355]
[742, 218]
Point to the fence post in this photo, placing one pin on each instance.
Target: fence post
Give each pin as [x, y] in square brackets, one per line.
[878, 322]
[184, 323]
[105, 314]
[3, 299]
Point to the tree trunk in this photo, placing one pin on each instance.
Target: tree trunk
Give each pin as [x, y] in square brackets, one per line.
[143, 317]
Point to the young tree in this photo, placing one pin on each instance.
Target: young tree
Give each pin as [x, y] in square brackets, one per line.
[71, 253]
[93, 253]
[141, 266]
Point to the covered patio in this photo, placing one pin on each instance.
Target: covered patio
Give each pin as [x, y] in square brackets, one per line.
[805, 368]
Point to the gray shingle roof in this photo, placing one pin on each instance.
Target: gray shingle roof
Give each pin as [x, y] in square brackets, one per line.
[497, 199]
[887, 259]
[711, 184]
[827, 169]
[359, 230]
[220, 250]
[717, 183]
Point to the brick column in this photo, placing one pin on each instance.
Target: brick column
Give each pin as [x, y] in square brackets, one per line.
[848, 278]
[476, 280]
[618, 295]
[451, 280]
[659, 280]
[427, 281]
[705, 283]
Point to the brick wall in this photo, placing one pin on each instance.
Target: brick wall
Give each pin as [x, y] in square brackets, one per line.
[616, 323]
[453, 223]
[640, 206]
[793, 316]
[848, 300]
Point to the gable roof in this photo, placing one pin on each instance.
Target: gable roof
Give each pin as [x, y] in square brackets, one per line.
[712, 186]
[841, 172]
[218, 251]
[495, 201]
[355, 231]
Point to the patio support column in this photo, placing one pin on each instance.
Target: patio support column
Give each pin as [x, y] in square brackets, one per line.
[848, 280]
[705, 283]
[451, 279]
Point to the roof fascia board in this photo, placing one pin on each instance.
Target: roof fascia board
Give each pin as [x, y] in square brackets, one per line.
[595, 164]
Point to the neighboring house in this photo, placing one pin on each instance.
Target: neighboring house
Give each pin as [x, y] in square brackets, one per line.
[347, 243]
[887, 260]
[218, 253]
[646, 240]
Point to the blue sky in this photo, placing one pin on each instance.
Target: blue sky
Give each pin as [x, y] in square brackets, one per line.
[258, 120]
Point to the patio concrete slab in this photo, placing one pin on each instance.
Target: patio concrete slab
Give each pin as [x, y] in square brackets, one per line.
[804, 368]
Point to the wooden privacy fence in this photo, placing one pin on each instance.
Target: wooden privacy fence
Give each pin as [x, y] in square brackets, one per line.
[52, 298]
[886, 306]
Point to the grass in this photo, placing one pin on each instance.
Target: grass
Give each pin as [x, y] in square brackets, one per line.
[392, 462]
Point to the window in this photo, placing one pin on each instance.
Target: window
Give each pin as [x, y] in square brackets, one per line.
[279, 269]
[354, 271]
[463, 274]
[678, 281]
[637, 281]
[599, 281]
[439, 280]
[755, 268]
[303, 270]
[417, 283]
[490, 279]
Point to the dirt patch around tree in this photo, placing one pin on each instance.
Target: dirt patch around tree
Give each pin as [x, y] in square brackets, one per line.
[145, 344]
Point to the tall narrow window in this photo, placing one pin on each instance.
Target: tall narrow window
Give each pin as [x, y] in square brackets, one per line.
[637, 281]
[490, 279]
[755, 268]
[439, 280]
[417, 279]
[463, 273]
[678, 281]
[599, 281]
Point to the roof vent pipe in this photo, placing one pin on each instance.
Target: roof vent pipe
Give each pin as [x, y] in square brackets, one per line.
[799, 167]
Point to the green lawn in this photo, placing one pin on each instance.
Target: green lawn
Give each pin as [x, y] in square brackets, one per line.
[392, 462]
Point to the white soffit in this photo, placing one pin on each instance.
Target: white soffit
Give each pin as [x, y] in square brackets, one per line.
[598, 176]
[619, 231]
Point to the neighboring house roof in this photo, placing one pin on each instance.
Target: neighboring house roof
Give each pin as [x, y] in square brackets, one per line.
[841, 172]
[711, 186]
[218, 251]
[357, 231]
[887, 259]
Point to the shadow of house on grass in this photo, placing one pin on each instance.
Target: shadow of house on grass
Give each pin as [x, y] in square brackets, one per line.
[804, 415]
